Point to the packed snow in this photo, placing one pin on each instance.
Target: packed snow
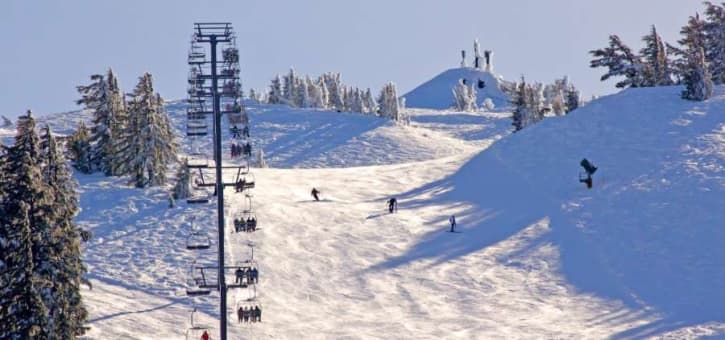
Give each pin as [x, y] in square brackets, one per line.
[538, 255]
[437, 93]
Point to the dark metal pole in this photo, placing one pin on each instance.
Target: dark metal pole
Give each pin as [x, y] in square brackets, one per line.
[220, 193]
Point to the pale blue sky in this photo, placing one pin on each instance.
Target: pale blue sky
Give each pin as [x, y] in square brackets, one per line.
[50, 46]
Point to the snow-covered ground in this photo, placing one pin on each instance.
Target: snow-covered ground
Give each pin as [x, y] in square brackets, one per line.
[538, 256]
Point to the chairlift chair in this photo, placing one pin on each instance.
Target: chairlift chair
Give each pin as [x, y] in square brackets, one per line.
[194, 332]
[198, 241]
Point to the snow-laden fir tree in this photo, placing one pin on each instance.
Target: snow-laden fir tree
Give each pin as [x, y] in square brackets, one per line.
[656, 66]
[66, 269]
[102, 98]
[79, 144]
[697, 78]
[335, 91]
[290, 92]
[24, 251]
[148, 144]
[316, 96]
[371, 106]
[518, 100]
[693, 36]
[275, 91]
[464, 97]
[183, 181]
[620, 61]
[573, 99]
[715, 43]
[558, 104]
[389, 104]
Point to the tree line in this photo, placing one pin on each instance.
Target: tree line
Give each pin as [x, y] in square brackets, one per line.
[328, 92]
[698, 62]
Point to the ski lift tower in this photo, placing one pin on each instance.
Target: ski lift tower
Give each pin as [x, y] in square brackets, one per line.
[203, 70]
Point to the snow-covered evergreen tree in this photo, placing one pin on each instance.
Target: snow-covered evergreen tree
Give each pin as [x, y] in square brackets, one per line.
[65, 268]
[656, 66]
[335, 91]
[24, 253]
[573, 99]
[325, 93]
[464, 97]
[183, 181]
[389, 104]
[697, 79]
[535, 103]
[558, 104]
[103, 99]
[619, 60]
[80, 149]
[370, 105]
[518, 100]
[275, 91]
[715, 43]
[290, 92]
[693, 36]
[149, 143]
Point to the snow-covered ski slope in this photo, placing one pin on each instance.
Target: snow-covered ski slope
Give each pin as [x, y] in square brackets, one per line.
[538, 256]
[437, 93]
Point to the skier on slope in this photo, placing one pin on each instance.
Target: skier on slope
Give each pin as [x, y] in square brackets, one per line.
[392, 205]
[453, 222]
[315, 193]
[205, 336]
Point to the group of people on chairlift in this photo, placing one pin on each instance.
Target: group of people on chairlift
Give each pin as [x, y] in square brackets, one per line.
[251, 314]
[238, 150]
[245, 275]
[248, 225]
[239, 133]
[241, 185]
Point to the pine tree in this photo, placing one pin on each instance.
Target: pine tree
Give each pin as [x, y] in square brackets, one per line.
[656, 66]
[80, 148]
[183, 181]
[148, 144]
[275, 91]
[697, 79]
[370, 104]
[693, 37]
[67, 313]
[389, 106]
[26, 218]
[619, 59]
[518, 100]
[714, 30]
[290, 88]
[573, 98]
[103, 99]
